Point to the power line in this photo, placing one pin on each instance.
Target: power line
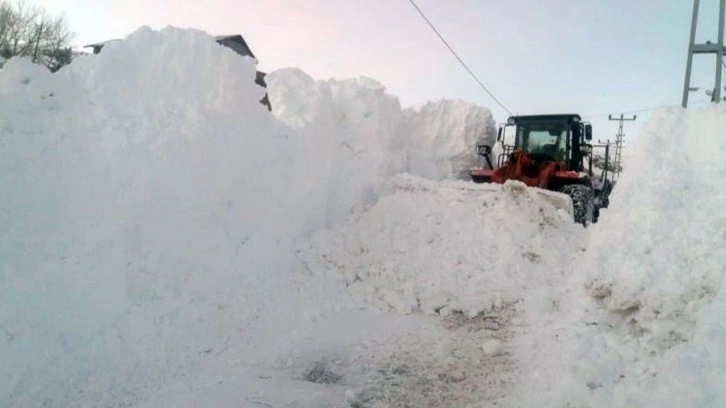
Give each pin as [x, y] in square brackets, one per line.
[459, 58]
[602, 115]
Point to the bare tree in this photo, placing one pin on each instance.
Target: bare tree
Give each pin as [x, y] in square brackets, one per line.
[19, 30]
[56, 51]
[29, 31]
[6, 17]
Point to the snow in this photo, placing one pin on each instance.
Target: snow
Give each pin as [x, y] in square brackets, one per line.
[450, 246]
[167, 241]
[128, 234]
[641, 323]
[434, 140]
[151, 212]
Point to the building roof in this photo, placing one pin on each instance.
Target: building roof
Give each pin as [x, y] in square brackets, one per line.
[100, 44]
[236, 38]
[235, 41]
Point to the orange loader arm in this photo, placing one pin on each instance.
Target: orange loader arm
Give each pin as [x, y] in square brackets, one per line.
[521, 167]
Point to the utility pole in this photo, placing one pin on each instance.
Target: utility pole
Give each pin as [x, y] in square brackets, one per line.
[707, 48]
[619, 140]
[606, 144]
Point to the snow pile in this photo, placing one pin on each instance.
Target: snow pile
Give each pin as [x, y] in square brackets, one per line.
[151, 209]
[441, 136]
[352, 125]
[648, 331]
[668, 228]
[445, 247]
[373, 134]
[138, 218]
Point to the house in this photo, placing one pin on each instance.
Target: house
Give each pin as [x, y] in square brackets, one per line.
[234, 42]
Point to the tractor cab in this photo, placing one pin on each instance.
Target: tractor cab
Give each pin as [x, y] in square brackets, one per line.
[548, 151]
[551, 152]
[549, 138]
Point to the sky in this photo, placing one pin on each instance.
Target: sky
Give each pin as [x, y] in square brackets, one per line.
[592, 57]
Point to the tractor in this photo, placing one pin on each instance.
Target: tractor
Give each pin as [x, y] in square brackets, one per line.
[550, 152]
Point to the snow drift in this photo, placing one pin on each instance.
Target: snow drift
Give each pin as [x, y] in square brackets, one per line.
[137, 212]
[370, 137]
[643, 325]
[151, 209]
[435, 140]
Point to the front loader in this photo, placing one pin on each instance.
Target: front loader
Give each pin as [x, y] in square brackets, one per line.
[550, 152]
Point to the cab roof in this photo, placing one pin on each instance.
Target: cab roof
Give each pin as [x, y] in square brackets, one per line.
[570, 117]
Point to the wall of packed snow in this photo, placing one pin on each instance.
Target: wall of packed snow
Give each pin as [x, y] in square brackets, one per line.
[366, 135]
[136, 197]
[433, 140]
[641, 322]
[150, 206]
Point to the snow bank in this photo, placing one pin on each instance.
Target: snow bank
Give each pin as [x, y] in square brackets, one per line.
[151, 209]
[667, 226]
[436, 140]
[365, 136]
[138, 218]
[441, 135]
[648, 329]
[352, 124]
[445, 247]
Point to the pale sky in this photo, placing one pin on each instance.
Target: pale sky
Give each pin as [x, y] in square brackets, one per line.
[591, 57]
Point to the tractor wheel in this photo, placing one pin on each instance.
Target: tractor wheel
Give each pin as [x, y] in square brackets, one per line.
[582, 202]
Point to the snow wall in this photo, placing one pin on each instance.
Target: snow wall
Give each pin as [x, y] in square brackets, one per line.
[641, 322]
[371, 137]
[149, 204]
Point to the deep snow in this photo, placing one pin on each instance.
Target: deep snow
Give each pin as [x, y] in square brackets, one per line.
[151, 213]
[167, 241]
[640, 323]
[449, 246]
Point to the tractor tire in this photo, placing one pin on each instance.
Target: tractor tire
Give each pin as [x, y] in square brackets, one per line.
[583, 202]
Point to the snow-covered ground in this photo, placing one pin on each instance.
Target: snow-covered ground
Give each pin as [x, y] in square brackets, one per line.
[166, 241]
